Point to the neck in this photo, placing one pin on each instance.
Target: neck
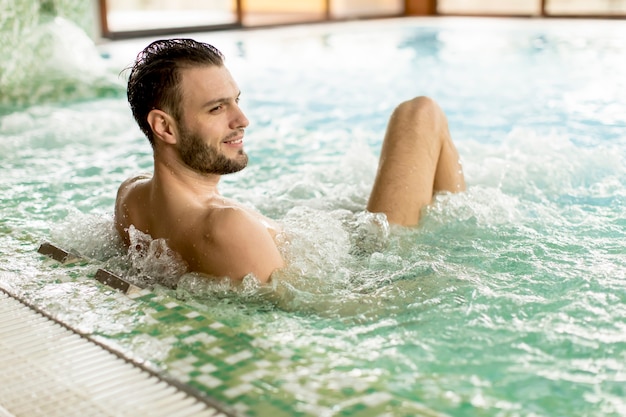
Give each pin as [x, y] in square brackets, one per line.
[173, 177]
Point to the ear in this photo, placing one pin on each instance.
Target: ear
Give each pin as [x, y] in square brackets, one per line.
[163, 126]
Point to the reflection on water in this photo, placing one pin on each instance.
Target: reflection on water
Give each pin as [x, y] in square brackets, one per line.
[508, 299]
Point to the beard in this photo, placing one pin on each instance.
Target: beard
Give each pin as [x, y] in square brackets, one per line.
[207, 159]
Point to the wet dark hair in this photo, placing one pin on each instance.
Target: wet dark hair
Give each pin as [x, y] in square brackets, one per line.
[155, 77]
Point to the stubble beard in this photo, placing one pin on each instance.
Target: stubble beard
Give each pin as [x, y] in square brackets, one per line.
[207, 159]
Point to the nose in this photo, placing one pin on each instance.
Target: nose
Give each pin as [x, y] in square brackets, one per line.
[239, 119]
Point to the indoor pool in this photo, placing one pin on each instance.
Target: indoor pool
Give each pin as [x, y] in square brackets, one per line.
[508, 299]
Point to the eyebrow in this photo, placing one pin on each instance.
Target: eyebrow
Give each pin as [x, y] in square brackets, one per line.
[219, 100]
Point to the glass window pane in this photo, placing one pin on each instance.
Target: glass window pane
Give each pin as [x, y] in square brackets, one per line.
[272, 12]
[136, 15]
[599, 7]
[525, 7]
[359, 8]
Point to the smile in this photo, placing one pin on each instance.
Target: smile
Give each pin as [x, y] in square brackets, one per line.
[234, 141]
[235, 138]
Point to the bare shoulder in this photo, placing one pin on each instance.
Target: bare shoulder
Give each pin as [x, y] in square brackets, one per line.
[233, 217]
[131, 183]
[236, 243]
[126, 200]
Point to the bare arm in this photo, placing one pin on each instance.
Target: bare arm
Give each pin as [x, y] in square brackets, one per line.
[122, 216]
[236, 244]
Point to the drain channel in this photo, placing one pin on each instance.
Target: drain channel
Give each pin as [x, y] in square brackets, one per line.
[51, 370]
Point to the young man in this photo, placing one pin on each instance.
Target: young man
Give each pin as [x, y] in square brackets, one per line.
[186, 102]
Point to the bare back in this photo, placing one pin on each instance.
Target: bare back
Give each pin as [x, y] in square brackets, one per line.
[214, 235]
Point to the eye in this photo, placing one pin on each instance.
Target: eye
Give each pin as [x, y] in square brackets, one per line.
[216, 109]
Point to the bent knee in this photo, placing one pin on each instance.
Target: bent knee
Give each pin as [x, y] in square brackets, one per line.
[422, 110]
[418, 105]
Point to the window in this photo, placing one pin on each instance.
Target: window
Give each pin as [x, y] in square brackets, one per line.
[270, 12]
[149, 15]
[125, 18]
[534, 7]
[586, 7]
[344, 9]
[482, 7]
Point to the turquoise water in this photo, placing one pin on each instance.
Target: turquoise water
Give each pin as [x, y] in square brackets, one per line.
[508, 300]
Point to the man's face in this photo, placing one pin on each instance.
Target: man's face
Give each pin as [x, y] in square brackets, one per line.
[211, 129]
[206, 158]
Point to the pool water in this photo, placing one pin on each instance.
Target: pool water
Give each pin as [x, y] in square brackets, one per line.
[507, 300]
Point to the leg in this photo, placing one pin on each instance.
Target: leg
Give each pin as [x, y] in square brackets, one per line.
[417, 160]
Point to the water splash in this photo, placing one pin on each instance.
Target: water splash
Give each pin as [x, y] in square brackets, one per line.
[62, 63]
[152, 260]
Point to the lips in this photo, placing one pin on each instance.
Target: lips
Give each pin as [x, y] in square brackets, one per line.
[235, 138]
[234, 141]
